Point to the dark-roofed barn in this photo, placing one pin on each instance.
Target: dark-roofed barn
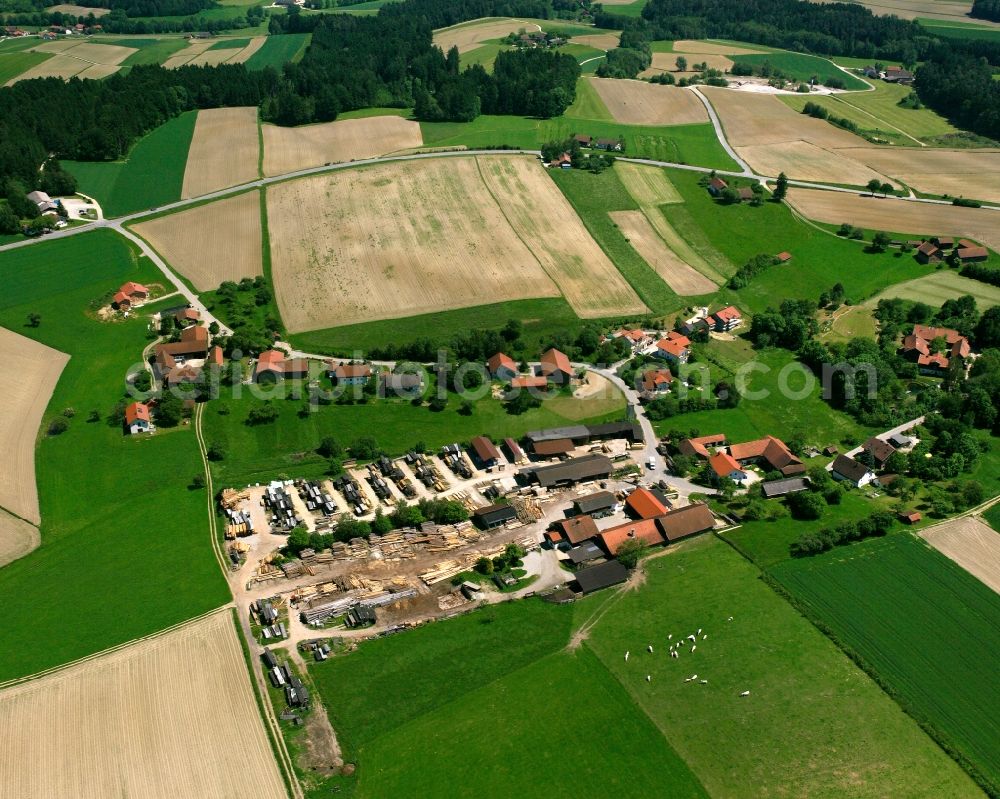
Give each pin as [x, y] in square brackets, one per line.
[601, 576]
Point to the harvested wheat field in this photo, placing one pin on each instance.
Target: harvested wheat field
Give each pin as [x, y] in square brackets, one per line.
[648, 185]
[470, 35]
[972, 544]
[31, 371]
[17, 538]
[211, 58]
[601, 41]
[635, 102]
[290, 149]
[802, 160]
[667, 62]
[750, 118]
[167, 717]
[195, 48]
[688, 254]
[698, 47]
[389, 241]
[78, 11]
[211, 243]
[77, 59]
[244, 55]
[898, 216]
[543, 218]
[681, 277]
[224, 151]
[944, 10]
[960, 173]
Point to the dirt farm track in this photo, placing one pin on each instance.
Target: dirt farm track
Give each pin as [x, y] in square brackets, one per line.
[169, 717]
[972, 544]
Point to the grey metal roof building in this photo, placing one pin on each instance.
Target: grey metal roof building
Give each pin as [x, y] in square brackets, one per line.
[779, 488]
[574, 470]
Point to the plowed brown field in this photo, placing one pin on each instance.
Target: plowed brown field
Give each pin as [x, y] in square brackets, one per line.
[972, 544]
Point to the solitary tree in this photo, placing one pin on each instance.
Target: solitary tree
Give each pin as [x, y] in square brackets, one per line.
[886, 189]
[781, 187]
[34, 319]
[682, 63]
[874, 185]
[880, 241]
[630, 552]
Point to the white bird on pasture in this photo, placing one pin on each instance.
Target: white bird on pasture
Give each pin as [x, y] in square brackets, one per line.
[626, 657]
[670, 636]
[703, 682]
[674, 654]
[694, 647]
[730, 618]
[699, 631]
[745, 693]
[691, 678]
[649, 678]
[704, 636]
[650, 648]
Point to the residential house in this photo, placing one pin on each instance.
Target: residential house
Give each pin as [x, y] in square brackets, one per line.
[137, 419]
[655, 381]
[699, 447]
[646, 504]
[502, 367]
[576, 530]
[171, 361]
[898, 75]
[645, 530]
[716, 186]
[582, 139]
[973, 254]
[270, 366]
[729, 318]
[637, 339]
[696, 325]
[563, 161]
[42, 202]
[879, 450]
[611, 145]
[400, 385]
[188, 316]
[349, 374]
[555, 367]
[772, 452]
[917, 348]
[852, 471]
[130, 294]
[726, 467]
[674, 347]
[486, 452]
[928, 253]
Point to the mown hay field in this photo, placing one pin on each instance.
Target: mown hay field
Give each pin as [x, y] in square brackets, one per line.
[682, 278]
[802, 160]
[77, 58]
[667, 62]
[211, 243]
[31, 371]
[17, 538]
[169, 716]
[972, 544]
[701, 47]
[897, 216]
[926, 626]
[225, 150]
[78, 11]
[470, 35]
[600, 41]
[194, 49]
[947, 10]
[390, 241]
[256, 43]
[635, 102]
[291, 149]
[939, 286]
[648, 185]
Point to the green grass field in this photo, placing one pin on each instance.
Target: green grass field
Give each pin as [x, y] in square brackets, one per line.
[593, 196]
[801, 67]
[229, 44]
[853, 322]
[287, 446]
[541, 318]
[279, 50]
[927, 627]
[880, 111]
[483, 55]
[938, 286]
[14, 63]
[960, 30]
[819, 259]
[686, 144]
[151, 175]
[125, 545]
[629, 10]
[151, 51]
[496, 702]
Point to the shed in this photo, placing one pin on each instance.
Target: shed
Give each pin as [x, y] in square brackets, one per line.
[585, 553]
[360, 615]
[601, 576]
[780, 488]
[910, 516]
[492, 516]
[574, 470]
[547, 449]
[597, 504]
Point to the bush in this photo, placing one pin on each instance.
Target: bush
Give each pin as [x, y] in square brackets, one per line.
[806, 505]
[262, 414]
[58, 426]
[216, 451]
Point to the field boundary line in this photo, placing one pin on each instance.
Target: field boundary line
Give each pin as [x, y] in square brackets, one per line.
[210, 491]
[9, 512]
[117, 647]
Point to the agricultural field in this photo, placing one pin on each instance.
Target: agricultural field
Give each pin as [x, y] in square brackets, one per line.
[76, 58]
[120, 527]
[803, 160]
[684, 279]
[151, 175]
[803, 67]
[634, 102]
[846, 323]
[972, 544]
[946, 10]
[829, 725]
[683, 144]
[26, 384]
[78, 11]
[14, 63]
[879, 111]
[924, 625]
[667, 62]
[443, 241]
[648, 185]
[147, 51]
[983, 29]
[470, 35]
[279, 50]
[939, 286]
[173, 715]
[17, 538]
[700, 47]
[225, 151]
[958, 173]
[877, 213]
[211, 243]
[291, 149]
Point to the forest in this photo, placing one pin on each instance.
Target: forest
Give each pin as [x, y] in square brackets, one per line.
[986, 9]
